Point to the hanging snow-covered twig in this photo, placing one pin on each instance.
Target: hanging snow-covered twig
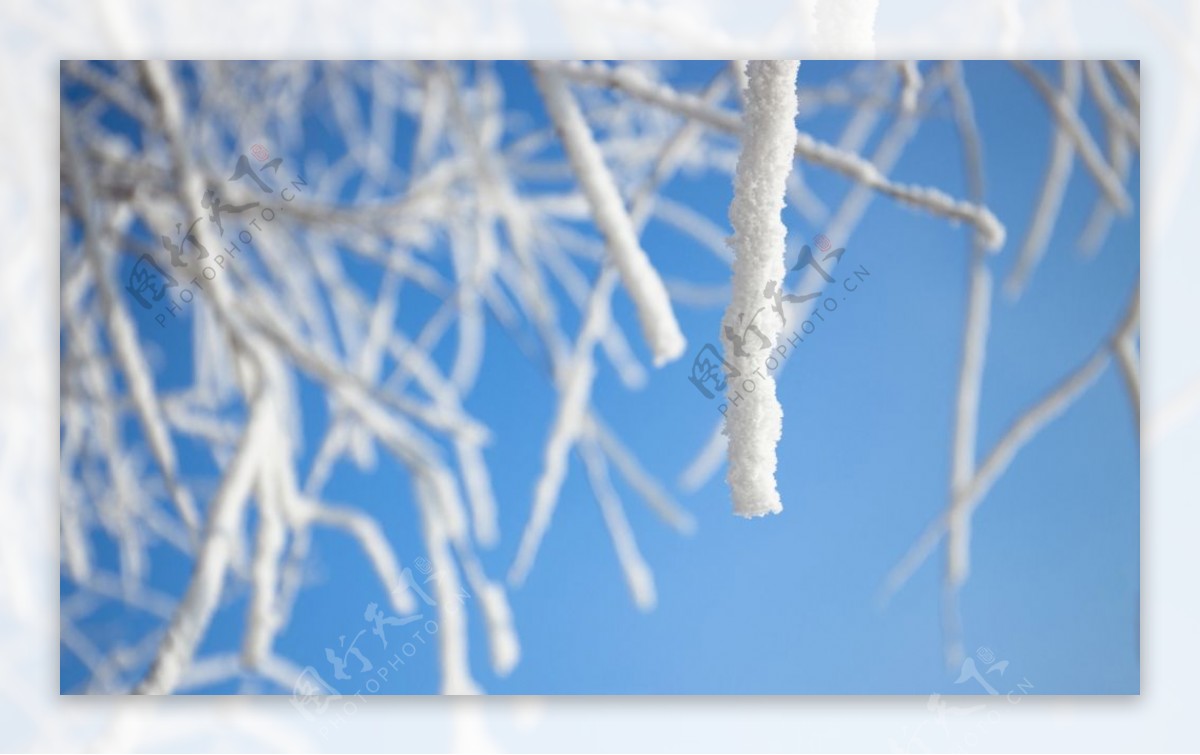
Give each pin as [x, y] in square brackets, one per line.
[754, 418]
[841, 225]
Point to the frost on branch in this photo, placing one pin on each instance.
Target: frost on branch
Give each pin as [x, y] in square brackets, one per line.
[754, 419]
[470, 222]
[637, 274]
[509, 238]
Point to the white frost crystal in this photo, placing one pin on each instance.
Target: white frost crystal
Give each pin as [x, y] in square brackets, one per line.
[754, 418]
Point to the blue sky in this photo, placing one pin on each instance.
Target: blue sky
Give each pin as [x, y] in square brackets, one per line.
[787, 604]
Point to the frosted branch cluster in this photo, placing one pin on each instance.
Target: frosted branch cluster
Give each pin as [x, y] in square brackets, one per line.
[516, 231]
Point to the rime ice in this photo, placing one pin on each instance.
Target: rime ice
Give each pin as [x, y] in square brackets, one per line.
[637, 274]
[754, 420]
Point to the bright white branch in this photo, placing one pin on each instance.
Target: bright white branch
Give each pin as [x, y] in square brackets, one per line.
[639, 277]
[754, 419]
[448, 592]
[191, 620]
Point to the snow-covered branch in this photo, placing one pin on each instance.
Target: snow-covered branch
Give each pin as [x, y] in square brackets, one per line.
[754, 419]
[808, 148]
[637, 274]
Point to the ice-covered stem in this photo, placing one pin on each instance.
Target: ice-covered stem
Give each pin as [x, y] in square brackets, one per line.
[840, 226]
[754, 419]
[639, 277]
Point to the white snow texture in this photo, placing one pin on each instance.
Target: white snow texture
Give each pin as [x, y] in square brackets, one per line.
[754, 418]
